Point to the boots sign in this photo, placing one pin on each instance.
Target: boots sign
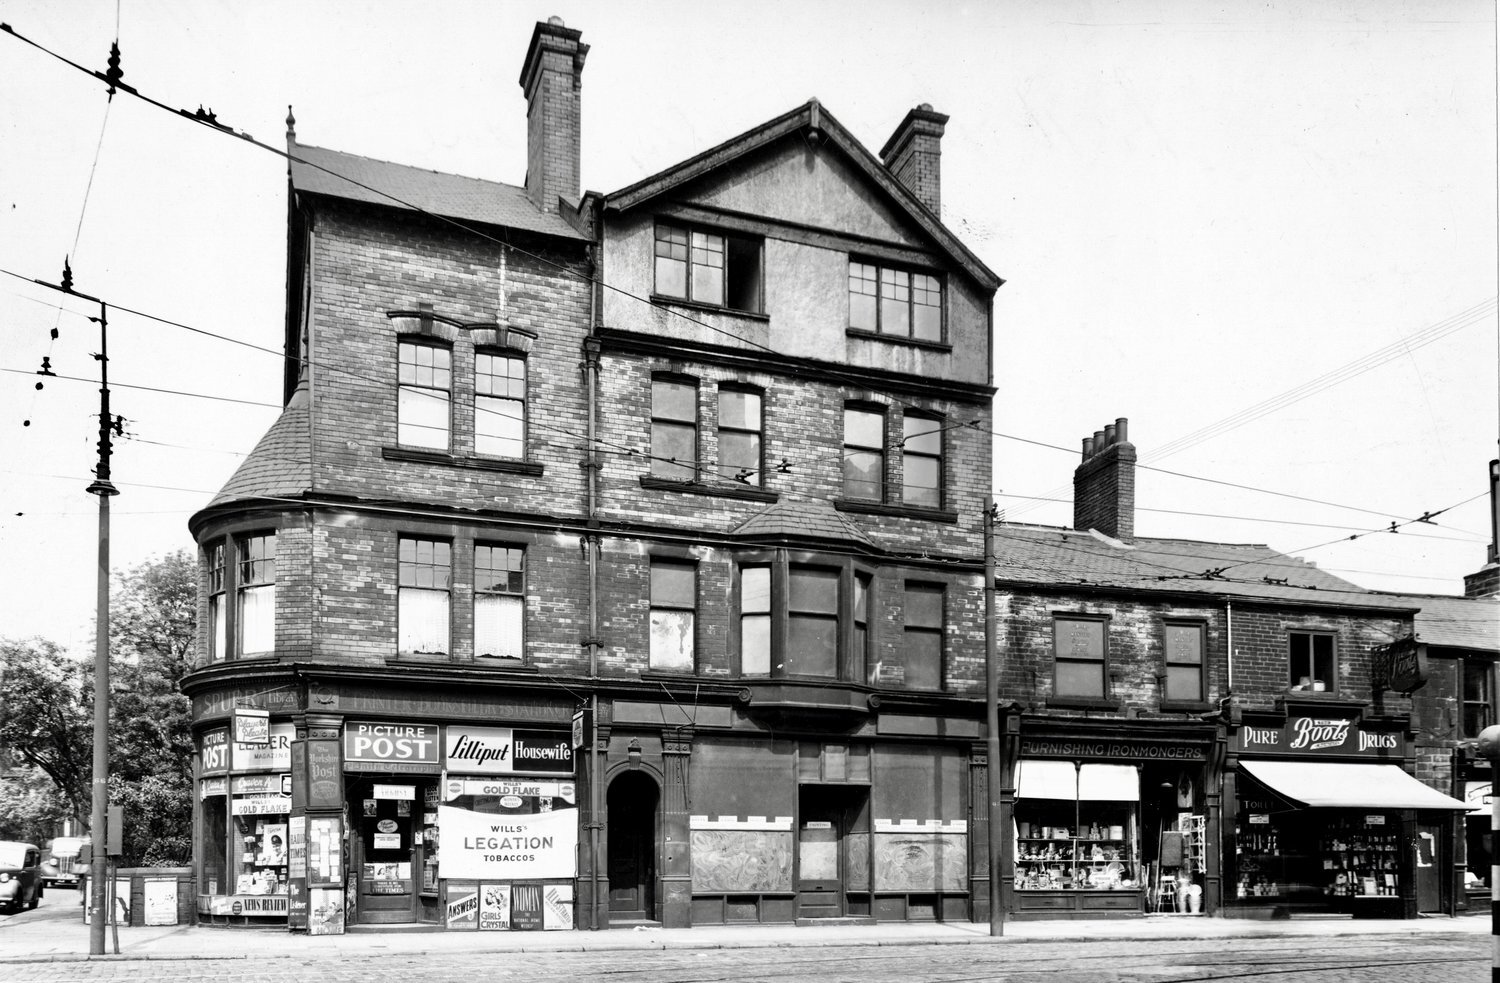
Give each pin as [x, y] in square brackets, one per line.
[1321, 737]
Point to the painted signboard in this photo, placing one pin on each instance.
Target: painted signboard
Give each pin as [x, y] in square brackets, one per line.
[1321, 737]
[455, 787]
[324, 775]
[1111, 748]
[274, 755]
[215, 751]
[394, 748]
[485, 846]
[506, 750]
[252, 726]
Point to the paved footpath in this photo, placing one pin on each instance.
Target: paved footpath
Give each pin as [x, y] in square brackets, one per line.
[55, 933]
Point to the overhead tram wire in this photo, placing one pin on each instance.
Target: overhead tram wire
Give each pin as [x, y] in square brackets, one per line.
[209, 120]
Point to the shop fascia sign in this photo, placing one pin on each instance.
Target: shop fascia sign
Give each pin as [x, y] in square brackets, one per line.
[391, 747]
[454, 787]
[505, 751]
[1321, 736]
[1401, 666]
[1117, 749]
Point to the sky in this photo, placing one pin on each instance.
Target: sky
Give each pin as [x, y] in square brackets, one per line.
[1263, 232]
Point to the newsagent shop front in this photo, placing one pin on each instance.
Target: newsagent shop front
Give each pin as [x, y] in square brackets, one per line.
[386, 821]
[1327, 819]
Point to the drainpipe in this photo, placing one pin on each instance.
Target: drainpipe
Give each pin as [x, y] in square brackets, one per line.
[591, 504]
[1229, 646]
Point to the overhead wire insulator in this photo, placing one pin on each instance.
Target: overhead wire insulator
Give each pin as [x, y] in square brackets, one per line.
[115, 73]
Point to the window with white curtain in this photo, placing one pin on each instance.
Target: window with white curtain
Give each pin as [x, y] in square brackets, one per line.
[424, 574]
[257, 594]
[499, 601]
[424, 382]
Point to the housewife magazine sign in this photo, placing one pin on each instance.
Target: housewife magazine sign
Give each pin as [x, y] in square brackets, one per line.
[485, 846]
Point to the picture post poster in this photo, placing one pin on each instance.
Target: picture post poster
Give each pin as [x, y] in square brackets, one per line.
[488, 847]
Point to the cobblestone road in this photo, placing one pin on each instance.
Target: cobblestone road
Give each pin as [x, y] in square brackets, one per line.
[1371, 959]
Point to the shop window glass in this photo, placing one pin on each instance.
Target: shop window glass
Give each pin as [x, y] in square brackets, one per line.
[215, 813]
[674, 606]
[424, 567]
[1312, 661]
[1077, 826]
[1081, 657]
[1185, 663]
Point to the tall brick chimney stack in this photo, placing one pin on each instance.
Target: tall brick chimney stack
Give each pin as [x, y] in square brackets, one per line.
[1104, 484]
[914, 155]
[551, 77]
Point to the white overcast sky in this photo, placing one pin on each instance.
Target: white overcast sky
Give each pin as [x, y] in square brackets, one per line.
[1198, 207]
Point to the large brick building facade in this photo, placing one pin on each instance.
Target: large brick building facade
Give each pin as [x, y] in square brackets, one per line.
[617, 558]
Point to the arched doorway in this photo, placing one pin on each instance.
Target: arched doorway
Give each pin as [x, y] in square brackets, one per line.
[632, 848]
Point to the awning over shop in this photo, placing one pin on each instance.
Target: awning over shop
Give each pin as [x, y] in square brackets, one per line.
[1109, 783]
[1046, 780]
[1340, 785]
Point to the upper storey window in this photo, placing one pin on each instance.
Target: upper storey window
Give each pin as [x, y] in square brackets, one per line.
[425, 378]
[257, 594]
[894, 302]
[499, 405]
[708, 268]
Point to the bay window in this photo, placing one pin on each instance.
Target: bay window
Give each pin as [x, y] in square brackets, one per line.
[256, 611]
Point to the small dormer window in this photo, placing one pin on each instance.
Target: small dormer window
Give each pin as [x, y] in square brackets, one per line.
[708, 267]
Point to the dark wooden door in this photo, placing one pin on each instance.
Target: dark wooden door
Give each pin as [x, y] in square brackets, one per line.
[385, 858]
[820, 841]
[1429, 885]
[631, 848]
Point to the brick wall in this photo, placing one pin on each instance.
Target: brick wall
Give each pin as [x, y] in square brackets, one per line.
[1262, 664]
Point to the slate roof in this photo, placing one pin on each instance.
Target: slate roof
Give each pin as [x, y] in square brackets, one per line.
[1457, 622]
[803, 519]
[280, 466]
[1052, 555]
[450, 195]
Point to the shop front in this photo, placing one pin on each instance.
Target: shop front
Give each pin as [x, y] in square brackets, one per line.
[1113, 819]
[1327, 819]
[324, 821]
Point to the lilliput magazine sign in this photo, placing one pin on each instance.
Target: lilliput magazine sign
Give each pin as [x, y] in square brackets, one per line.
[504, 751]
[1321, 737]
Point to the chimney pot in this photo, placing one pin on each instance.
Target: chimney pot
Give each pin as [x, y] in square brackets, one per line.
[1088, 447]
[1109, 434]
[1122, 425]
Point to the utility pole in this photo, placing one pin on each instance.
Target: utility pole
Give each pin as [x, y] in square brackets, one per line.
[105, 489]
[992, 721]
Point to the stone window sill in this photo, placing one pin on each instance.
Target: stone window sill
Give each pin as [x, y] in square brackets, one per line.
[471, 463]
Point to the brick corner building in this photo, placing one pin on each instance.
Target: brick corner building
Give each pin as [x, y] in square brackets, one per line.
[616, 558]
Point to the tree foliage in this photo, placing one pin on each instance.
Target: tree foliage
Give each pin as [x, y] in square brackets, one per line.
[48, 700]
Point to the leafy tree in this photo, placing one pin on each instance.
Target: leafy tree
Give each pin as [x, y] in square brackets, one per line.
[48, 719]
[30, 809]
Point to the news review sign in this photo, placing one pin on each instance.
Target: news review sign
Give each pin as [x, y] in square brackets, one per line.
[1322, 737]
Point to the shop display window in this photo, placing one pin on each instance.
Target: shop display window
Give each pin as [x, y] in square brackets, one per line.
[260, 854]
[1276, 848]
[215, 845]
[1077, 827]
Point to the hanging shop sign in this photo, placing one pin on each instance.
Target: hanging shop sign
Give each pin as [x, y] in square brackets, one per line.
[485, 846]
[455, 787]
[504, 750]
[214, 751]
[252, 726]
[395, 748]
[1401, 665]
[1321, 737]
[213, 786]
[273, 755]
